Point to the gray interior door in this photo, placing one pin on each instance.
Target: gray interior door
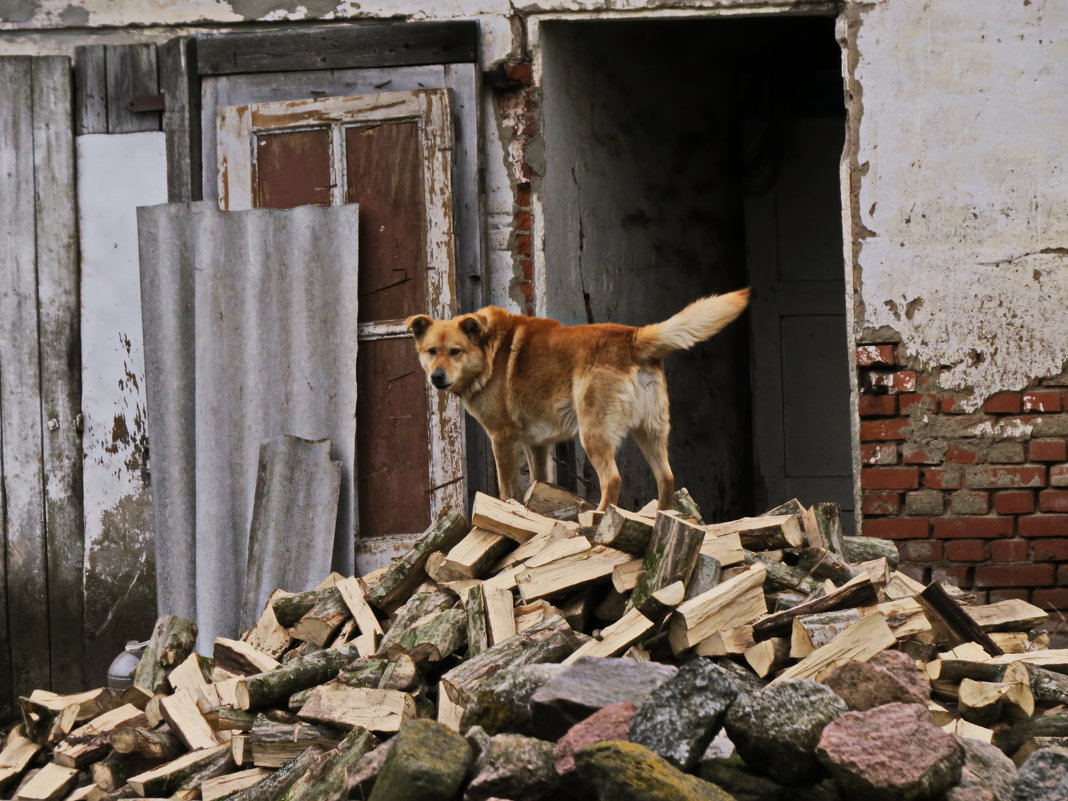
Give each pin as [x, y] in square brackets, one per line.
[800, 353]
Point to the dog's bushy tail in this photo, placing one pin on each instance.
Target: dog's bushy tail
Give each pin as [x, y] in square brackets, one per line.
[696, 323]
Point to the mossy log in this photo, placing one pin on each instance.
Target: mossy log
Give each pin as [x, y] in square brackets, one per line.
[1049, 688]
[160, 745]
[278, 783]
[263, 689]
[477, 630]
[400, 673]
[624, 531]
[421, 604]
[391, 588]
[823, 528]
[185, 771]
[435, 638]
[686, 506]
[670, 557]
[864, 549]
[173, 639]
[320, 623]
[821, 563]
[782, 577]
[288, 609]
[226, 718]
[328, 778]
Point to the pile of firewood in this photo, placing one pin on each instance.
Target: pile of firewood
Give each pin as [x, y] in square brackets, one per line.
[524, 623]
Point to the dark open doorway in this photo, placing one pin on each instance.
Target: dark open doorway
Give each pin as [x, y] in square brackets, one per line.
[687, 157]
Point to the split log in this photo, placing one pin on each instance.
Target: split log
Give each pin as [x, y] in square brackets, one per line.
[188, 770]
[815, 631]
[792, 507]
[557, 549]
[858, 643]
[706, 575]
[733, 641]
[274, 744]
[625, 576]
[901, 586]
[663, 602]
[526, 551]
[389, 590]
[449, 714]
[194, 674]
[500, 614]
[373, 709]
[1047, 687]
[423, 602]
[253, 692]
[92, 740]
[224, 718]
[87, 705]
[877, 571]
[857, 592]
[616, 638]
[822, 523]
[563, 575]
[477, 623]
[112, 771]
[553, 501]
[863, 549]
[277, 784]
[671, 556]
[186, 721]
[288, 608]
[474, 556]
[16, 757]
[435, 638]
[984, 703]
[159, 745]
[624, 531]
[1010, 739]
[724, 548]
[320, 623]
[222, 786]
[1009, 615]
[268, 635]
[766, 533]
[241, 750]
[550, 641]
[327, 779]
[49, 784]
[1055, 659]
[241, 658]
[686, 506]
[782, 577]
[735, 602]
[950, 622]
[355, 599]
[508, 518]
[768, 656]
[823, 564]
[173, 639]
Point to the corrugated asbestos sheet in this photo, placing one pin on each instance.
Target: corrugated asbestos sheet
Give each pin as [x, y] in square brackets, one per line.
[250, 332]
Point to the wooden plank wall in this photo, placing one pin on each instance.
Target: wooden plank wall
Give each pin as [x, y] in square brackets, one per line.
[41, 610]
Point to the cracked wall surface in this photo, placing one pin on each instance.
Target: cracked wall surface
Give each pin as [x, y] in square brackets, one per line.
[964, 140]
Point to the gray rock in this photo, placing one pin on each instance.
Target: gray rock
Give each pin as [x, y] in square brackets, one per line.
[427, 761]
[988, 775]
[776, 730]
[590, 684]
[515, 767]
[680, 717]
[1044, 776]
[743, 783]
[502, 703]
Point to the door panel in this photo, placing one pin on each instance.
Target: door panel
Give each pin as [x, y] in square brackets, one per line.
[293, 168]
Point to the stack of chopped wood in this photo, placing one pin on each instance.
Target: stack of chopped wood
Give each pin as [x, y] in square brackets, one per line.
[288, 710]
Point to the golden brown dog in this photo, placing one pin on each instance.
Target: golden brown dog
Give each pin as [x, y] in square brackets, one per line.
[533, 382]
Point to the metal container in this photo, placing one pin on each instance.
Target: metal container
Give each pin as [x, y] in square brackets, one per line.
[122, 667]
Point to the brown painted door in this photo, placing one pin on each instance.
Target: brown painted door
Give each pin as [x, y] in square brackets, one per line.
[323, 156]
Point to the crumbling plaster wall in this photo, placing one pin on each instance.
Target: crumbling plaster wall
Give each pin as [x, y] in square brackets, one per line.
[960, 180]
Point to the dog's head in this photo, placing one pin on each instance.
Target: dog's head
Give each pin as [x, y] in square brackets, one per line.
[452, 352]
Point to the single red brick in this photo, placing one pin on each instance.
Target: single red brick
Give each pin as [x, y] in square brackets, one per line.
[878, 453]
[1051, 599]
[875, 356]
[1047, 450]
[954, 574]
[523, 196]
[921, 550]
[523, 244]
[1004, 403]
[1058, 475]
[989, 527]
[955, 454]
[914, 572]
[915, 402]
[1009, 550]
[942, 477]
[880, 503]
[1050, 500]
[1014, 502]
[884, 429]
[914, 454]
[897, 528]
[969, 502]
[999, 477]
[1014, 575]
[1050, 550]
[1042, 400]
[951, 404]
[877, 405]
[523, 220]
[889, 477]
[966, 550]
[1009, 595]
[905, 381]
[1043, 526]
[526, 264]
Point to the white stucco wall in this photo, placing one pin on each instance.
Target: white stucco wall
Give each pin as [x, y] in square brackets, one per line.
[964, 134]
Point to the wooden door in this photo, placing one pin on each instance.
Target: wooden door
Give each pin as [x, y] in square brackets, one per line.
[800, 349]
[390, 153]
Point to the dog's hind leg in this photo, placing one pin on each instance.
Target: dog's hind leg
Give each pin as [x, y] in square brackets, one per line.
[538, 460]
[602, 453]
[654, 447]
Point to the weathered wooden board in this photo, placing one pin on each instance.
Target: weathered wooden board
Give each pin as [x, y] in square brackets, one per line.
[131, 73]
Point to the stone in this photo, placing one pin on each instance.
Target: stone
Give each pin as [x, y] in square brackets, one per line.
[890, 753]
[1044, 776]
[888, 677]
[515, 767]
[988, 775]
[631, 772]
[777, 729]
[592, 683]
[743, 783]
[502, 702]
[680, 717]
[610, 723]
[428, 761]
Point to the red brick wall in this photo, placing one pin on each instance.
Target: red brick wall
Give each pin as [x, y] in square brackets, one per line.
[978, 498]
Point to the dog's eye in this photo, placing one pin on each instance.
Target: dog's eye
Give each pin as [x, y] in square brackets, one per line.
[454, 351]
[432, 351]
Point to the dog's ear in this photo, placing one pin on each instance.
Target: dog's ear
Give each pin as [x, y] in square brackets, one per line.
[418, 325]
[475, 326]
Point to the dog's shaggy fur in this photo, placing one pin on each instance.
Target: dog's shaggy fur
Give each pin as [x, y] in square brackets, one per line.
[533, 382]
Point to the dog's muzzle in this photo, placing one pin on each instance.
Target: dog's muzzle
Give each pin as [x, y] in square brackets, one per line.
[438, 379]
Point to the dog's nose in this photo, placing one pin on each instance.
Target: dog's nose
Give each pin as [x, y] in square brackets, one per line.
[437, 378]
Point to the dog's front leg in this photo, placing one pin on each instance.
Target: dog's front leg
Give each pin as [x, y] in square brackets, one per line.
[504, 454]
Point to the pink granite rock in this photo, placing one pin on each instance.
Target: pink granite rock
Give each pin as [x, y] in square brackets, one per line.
[610, 723]
[888, 677]
[890, 753]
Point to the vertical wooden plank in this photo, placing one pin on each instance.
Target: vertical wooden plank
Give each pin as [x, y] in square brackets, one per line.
[90, 90]
[131, 72]
[58, 315]
[180, 84]
[20, 403]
